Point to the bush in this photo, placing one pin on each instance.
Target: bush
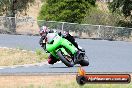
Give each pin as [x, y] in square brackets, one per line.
[99, 17]
[65, 10]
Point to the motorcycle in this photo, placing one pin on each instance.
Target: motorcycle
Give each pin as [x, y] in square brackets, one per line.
[64, 50]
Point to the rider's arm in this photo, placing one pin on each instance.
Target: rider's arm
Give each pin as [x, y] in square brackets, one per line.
[43, 45]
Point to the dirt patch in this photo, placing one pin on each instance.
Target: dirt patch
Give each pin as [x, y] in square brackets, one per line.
[33, 11]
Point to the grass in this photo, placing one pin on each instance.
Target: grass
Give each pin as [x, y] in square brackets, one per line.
[75, 85]
[10, 57]
[51, 81]
[41, 55]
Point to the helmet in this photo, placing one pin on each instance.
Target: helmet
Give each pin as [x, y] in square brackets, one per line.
[43, 30]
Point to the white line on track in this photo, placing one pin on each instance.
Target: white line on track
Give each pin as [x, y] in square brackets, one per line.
[27, 65]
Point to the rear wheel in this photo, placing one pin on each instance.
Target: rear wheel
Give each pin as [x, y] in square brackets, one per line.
[65, 59]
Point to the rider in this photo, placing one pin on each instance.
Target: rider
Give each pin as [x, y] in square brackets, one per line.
[44, 31]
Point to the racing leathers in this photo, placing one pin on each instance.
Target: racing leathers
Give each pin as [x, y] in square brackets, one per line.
[67, 36]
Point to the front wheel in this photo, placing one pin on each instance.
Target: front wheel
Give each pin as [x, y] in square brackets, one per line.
[67, 62]
[84, 62]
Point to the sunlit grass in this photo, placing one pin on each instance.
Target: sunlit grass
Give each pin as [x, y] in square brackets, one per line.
[19, 57]
[51, 81]
[73, 84]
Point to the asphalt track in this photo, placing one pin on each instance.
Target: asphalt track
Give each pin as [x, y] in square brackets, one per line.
[104, 56]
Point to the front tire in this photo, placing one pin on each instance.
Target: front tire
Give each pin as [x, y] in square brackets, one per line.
[64, 60]
[84, 63]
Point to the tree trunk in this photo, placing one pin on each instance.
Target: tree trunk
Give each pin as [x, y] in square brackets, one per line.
[12, 25]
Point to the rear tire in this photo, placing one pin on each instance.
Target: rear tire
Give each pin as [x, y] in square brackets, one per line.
[64, 60]
[84, 63]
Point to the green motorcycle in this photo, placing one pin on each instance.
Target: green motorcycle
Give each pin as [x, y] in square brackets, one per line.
[64, 50]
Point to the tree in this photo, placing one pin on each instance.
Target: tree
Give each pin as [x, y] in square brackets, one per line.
[100, 17]
[11, 7]
[65, 10]
[124, 6]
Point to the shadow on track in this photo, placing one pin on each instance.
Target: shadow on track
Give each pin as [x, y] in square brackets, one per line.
[64, 67]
